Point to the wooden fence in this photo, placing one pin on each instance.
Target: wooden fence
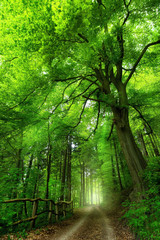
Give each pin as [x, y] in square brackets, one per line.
[58, 209]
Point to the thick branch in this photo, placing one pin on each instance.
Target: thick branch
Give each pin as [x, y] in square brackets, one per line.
[139, 59]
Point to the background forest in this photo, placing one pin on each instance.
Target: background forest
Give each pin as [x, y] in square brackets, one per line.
[79, 106]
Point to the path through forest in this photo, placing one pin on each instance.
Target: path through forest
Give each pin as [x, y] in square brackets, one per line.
[92, 225]
[89, 223]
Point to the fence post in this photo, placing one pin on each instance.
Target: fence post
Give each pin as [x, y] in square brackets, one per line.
[50, 211]
[57, 212]
[34, 211]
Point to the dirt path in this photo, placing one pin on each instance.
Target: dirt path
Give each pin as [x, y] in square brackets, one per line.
[93, 225]
[89, 223]
[96, 226]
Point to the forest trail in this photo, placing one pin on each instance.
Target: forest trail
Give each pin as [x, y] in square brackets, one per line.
[93, 225]
[88, 223]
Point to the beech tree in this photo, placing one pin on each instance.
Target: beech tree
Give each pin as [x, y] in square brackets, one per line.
[88, 52]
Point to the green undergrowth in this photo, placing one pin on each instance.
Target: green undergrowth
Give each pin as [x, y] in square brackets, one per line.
[143, 215]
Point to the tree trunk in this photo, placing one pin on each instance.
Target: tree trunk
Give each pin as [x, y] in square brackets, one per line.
[154, 145]
[26, 183]
[48, 171]
[91, 184]
[113, 169]
[135, 161]
[84, 187]
[143, 145]
[63, 175]
[81, 190]
[69, 170]
[117, 164]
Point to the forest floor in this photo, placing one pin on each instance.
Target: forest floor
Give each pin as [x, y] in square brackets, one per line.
[89, 223]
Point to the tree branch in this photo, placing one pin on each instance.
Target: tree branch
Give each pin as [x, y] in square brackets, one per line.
[81, 94]
[97, 122]
[83, 37]
[10, 60]
[128, 12]
[111, 131]
[139, 59]
[23, 100]
[127, 69]
[93, 99]
[142, 117]
[84, 105]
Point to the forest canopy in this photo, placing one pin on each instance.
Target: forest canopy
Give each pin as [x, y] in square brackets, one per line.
[79, 97]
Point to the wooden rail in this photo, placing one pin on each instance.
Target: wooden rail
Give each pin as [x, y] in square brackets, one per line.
[55, 208]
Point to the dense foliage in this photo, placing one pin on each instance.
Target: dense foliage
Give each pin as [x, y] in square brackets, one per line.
[79, 105]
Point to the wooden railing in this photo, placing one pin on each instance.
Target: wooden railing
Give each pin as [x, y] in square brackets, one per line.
[58, 209]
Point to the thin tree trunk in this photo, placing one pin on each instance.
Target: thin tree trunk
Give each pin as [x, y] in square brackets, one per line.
[143, 145]
[154, 146]
[62, 197]
[69, 170]
[91, 184]
[26, 183]
[84, 188]
[113, 173]
[81, 189]
[117, 164]
[99, 193]
[48, 171]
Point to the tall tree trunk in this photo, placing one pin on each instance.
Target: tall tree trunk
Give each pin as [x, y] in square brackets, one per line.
[84, 189]
[113, 172]
[69, 170]
[26, 183]
[91, 185]
[154, 145]
[87, 188]
[62, 197]
[49, 158]
[117, 164]
[123, 169]
[135, 161]
[36, 184]
[99, 201]
[81, 189]
[143, 145]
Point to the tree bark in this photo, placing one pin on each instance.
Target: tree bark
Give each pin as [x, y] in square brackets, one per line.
[62, 197]
[69, 170]
[48, 171]
[91, 185]
[117, 164]
[113, 169]
[84, 187]
[135, 161]
[143, 145]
